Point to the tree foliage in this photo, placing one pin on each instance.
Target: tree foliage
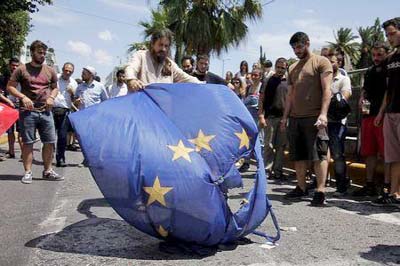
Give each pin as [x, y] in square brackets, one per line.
[14, 25]
[358, 52]
[369, 36]
[345, 42]
[200, 26]
[31, 6]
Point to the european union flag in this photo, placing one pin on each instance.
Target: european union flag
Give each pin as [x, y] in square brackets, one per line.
[165, 158]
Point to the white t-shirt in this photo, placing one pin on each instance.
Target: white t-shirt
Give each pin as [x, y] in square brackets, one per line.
[117, 91]
[63, 98]
[341, 84]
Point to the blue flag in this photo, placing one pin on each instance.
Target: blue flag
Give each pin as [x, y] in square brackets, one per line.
[164, 158]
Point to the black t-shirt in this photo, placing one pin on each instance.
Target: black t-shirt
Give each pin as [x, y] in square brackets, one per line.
[210, 78]
[375, 87]
[393, 74]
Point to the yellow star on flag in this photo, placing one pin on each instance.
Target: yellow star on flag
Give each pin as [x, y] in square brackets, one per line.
[180, 151]
[157, 192]
[202, 141]
[244, 139]
[162, 231]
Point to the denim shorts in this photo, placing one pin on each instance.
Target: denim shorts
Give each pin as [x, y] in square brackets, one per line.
[43, 122]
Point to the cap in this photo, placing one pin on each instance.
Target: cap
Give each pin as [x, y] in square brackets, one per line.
[91, 70]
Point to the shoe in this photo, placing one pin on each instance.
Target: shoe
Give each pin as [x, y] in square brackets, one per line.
[312, 185]
[2, 158]
[10, 156]
[52, 175]
[365, 191]
[340, 194]
[318, 199]
[84, 163]
[297, 192]
[72, 147]
[27, 178]
[386, 200]
[244, 168]
[61, 164]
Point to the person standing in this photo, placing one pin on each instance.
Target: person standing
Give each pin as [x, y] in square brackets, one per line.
[38, 92]
[271, 107]
[12, 102]
[372, 141]
[251, 102]
[337, 128]
[62, 108]
[202, 73]
[390, 112]
[187, 63]
[90, 91]
[119, 88]
[309, 95]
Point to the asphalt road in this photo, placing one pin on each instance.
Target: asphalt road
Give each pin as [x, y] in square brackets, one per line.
[69, 223]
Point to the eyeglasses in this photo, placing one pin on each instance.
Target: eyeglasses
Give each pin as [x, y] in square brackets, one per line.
[236, 82]
[255, 75]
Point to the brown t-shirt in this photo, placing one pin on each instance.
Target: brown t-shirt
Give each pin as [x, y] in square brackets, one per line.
[305, 79]
[36, 82]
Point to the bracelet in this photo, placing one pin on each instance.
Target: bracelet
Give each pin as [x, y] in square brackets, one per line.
[51, 96]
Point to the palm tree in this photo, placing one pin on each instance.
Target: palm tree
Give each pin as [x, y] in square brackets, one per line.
[366, 44]
[204, 26]
[344, 42]
[369, 36]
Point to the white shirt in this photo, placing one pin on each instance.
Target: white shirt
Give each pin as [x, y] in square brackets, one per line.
[63, 99]
[141, 67]
[341, 84]
[116, 91]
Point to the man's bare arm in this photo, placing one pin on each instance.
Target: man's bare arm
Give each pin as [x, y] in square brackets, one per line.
[12, 89]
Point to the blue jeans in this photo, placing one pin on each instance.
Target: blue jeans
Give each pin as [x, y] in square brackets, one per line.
[337, 135]
[61, 123]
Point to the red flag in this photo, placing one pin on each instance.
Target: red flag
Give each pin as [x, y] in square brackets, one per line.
[8, 116]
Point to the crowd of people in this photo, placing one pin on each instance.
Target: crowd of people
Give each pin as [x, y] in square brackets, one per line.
[302, 107]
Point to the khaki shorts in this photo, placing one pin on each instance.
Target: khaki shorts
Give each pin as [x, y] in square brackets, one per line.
[391, 135]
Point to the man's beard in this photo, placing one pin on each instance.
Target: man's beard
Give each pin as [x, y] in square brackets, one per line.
[158, 57]
[202, 73]
[189, 71]
[38, 61]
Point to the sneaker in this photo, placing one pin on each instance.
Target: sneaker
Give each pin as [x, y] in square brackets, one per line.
[52, 175]
[385, 200]
[365, 191]
[27, 178]
[297, 192]
[244, 168]
[318, 199]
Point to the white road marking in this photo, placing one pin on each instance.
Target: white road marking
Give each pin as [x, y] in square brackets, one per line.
[381, 217]
[53, 223]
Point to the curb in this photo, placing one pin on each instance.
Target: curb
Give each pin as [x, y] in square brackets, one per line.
[3, 139]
